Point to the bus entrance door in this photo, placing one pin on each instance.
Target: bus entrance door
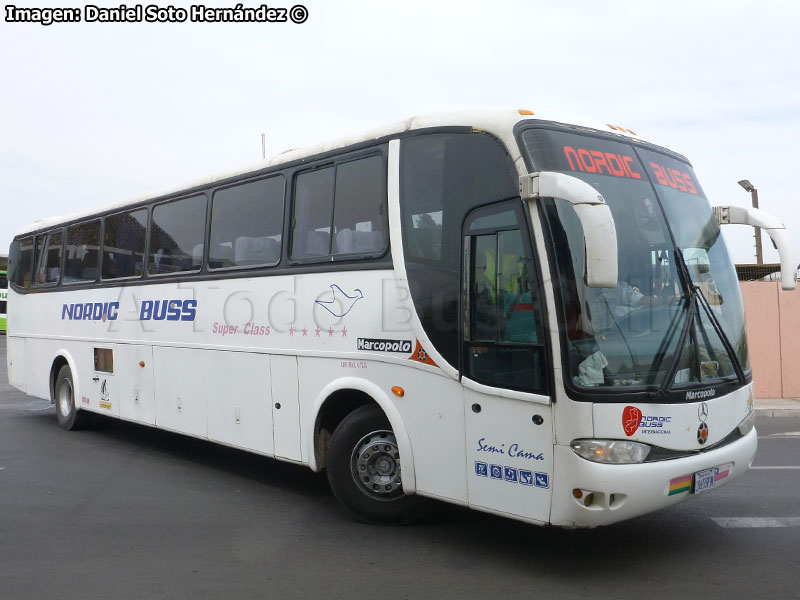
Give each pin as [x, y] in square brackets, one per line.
[509, 453]
[508, 415]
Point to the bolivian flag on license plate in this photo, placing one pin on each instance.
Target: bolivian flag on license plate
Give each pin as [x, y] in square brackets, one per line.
[682, 484]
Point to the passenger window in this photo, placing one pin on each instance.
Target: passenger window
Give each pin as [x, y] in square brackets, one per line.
[20, 259]
[358, 220]
[48, 259]
[339, 210]
[247, 224]
[83, 253]
[504, 339]
[177, 236]
[123, 244]
[313, 208]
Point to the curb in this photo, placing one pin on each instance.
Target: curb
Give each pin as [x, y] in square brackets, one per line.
[777, 412]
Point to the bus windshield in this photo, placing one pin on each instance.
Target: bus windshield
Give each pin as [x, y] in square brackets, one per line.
[663, 326]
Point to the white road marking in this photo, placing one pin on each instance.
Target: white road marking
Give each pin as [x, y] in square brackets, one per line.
[789, 435]
[790, 467]
[756, 522]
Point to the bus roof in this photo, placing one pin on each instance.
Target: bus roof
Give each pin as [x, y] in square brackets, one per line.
[499, 122]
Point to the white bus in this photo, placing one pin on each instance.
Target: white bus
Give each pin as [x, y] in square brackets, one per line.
[501, 310]
[3, 300]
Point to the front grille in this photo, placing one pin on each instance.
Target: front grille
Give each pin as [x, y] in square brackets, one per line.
[658, 454]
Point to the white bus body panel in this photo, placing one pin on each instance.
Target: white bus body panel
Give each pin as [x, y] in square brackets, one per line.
[287, 425]
[16, 360]
[239, 400]
[509, 455]
[676, 426]
[133, 364]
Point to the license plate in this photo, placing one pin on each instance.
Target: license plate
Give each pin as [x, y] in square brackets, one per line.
[703, 481]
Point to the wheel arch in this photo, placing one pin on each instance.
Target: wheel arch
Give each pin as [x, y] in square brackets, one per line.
[61, 358]
[338, 399]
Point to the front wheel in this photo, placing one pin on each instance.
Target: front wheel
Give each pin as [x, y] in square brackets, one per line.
[364, 470]
[69, 417]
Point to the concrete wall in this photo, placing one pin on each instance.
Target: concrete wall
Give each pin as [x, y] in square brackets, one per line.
[773, 335]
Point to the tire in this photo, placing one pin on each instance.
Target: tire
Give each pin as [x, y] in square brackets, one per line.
[69, 417]
[364, 470]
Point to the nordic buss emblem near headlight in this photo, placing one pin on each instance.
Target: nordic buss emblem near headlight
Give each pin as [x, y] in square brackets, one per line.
[631, 417]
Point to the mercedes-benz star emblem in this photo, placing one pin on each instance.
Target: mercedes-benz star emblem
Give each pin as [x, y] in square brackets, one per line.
[702, 411]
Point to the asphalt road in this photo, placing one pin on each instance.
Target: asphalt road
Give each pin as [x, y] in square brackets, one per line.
[130, 512]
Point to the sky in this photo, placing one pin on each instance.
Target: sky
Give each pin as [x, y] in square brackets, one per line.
[93, 113]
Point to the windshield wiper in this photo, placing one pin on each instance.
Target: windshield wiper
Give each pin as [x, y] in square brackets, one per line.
[696, 298]
[691, 310]
[726, 342]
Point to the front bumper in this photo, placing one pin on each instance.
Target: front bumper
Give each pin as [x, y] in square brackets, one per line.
[621, 492]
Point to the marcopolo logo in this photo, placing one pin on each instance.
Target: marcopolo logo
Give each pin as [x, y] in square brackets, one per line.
[402, 346]
[90, 311]
[701, 394]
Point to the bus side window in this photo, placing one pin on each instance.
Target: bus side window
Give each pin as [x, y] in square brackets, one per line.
[83, 252]
[48, 259]
[177, 236]
[19, 261]
[339, 210]
[123, 244]
[247, 224]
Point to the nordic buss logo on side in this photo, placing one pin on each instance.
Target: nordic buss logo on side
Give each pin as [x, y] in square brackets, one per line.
[90, 311]
[168, 310]
[151, 310]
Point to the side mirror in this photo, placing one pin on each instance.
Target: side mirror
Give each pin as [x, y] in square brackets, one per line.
[599, 232]
[738, 215]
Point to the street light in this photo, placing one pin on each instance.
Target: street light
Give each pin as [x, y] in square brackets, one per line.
[749, 187]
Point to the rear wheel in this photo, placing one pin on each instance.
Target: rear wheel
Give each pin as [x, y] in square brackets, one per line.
[364, 470]
[69, 417]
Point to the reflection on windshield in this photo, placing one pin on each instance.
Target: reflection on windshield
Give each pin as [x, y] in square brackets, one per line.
[629, 336]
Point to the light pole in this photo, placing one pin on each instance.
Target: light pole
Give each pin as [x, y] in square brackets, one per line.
[745, 183]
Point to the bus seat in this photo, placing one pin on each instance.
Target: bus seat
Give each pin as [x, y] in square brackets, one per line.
[256, 251]
[421, 240]
[89, 270]
[318, 243]
[220, 256]
[197, 256]
[349, 241]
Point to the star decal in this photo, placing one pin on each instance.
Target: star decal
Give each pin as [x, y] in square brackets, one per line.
[305, 332]
[291, 330]
[330, 332]
[318, 330]
[344, 332]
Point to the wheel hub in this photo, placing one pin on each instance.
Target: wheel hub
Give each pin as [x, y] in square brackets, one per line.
[65, 398]
[376, 465]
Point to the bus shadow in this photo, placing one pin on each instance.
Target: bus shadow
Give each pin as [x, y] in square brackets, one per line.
[465, 535]
[259, 469]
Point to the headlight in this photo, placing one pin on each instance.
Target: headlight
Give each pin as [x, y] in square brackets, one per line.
[747, 424]
[612, 452]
